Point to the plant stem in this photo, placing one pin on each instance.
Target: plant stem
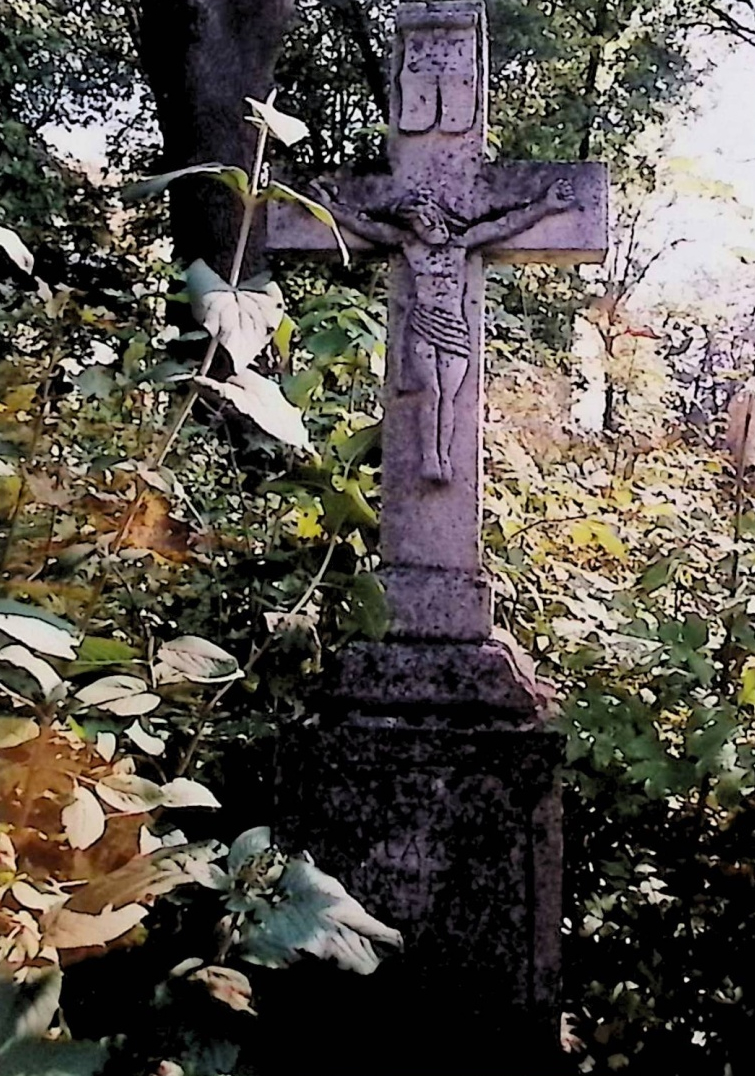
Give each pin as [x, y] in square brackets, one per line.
[251, 201]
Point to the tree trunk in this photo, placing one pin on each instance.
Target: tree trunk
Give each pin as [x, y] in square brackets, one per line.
[202, 58]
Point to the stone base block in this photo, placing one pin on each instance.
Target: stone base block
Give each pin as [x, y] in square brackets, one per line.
[454, 837]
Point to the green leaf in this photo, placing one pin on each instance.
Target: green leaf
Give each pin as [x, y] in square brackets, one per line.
[282, 193]
[248, 845]
[369, 608]
[262, 400]
[38, 631]
[282, 337]
[199, 661]
[659, 574]
[96, 382]
[347, 506]
[95, 651]
[233, 177]
[702, 669]
[301, 387]
[695, 631]
[329, 344]
[31, 1058]
[353, 450]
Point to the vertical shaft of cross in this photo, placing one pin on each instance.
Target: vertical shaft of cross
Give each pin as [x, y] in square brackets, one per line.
[430, 531]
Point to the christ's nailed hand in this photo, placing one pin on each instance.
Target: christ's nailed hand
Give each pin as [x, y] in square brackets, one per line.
[325, 190]
[560, 195]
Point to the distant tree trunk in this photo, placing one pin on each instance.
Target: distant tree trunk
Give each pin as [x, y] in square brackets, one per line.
[202, 58]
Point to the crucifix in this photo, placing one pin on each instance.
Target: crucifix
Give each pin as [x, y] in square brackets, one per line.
[427, 779]
[441, 214]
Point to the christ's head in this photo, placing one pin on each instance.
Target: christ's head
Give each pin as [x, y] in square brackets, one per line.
[426, 217]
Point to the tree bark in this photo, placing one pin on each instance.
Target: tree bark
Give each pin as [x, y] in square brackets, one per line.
[202, 58]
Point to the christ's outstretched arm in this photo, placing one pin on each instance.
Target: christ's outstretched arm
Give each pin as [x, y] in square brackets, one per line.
[355, 221]
[558, 197]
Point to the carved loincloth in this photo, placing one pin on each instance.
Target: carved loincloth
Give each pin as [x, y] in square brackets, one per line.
[446, 331]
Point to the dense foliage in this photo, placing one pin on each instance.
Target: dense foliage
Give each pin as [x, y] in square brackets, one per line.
[190, 589]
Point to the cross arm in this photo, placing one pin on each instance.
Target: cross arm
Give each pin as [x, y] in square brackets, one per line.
[292, 229]
[541, 212]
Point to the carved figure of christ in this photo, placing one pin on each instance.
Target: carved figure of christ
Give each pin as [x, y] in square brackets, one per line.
[437, 344]
[442, 212]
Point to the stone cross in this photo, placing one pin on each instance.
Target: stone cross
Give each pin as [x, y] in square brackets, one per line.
[427, 777]
[441, 214]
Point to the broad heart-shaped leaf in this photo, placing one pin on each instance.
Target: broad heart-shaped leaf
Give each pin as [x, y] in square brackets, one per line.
[250, 843]
[37, 630]
[16, 250]
[126, 696]
[280, 192]
[314, 915]
[83, 820]
[233, 177]
[243, 319]
[262, 400]
[200, 661]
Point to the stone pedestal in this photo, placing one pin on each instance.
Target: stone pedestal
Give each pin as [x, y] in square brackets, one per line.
[428, 786]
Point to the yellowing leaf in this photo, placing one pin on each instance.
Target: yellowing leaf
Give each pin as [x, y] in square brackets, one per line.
[83, 820]
[65, 929]
[17, 730]
[609, 539]
[581, 533]
[747, 690]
